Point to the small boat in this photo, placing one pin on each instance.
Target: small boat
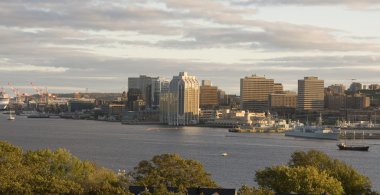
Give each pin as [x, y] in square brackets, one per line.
[355, 147]
[343, 146]
[224, 154]
[11, 117]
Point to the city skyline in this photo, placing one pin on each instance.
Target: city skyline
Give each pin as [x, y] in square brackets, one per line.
[70, 46]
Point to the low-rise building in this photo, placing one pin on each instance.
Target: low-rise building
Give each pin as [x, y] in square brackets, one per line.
[283, 102]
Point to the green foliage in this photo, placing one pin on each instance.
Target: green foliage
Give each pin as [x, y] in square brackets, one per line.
[171, 171]
[53, 172]
[245, 190]
[352, 181]
[301, 180]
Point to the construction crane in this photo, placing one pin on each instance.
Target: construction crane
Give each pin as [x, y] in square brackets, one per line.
[39, 92]
[15, 91]
[10, 85]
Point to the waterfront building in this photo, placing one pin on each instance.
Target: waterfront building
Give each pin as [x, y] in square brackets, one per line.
[180, 105]
[233, 118]
[208, 115]
[208, 96]
[132, 96]
[254, 92]
[116, 110]
[149, 87]
[79, 105]
[139, 105]
[310, 94]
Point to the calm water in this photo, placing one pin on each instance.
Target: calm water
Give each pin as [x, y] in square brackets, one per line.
[119, 146]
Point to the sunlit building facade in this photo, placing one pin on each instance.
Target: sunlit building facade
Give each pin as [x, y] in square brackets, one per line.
[254, 92]
[180, 105]
[310, 94]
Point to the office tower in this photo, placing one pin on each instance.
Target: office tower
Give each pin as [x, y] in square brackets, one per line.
[337, 89]
[310, 94]
[132, 96]
[148, 87]
[355, 87]
[180, 105]
[278, 88]
[208, 97]
[222, 99]
[374, 87]
[254, 92]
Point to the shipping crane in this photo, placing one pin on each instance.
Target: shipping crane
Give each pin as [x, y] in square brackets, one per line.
[39, 92]
[15, 91]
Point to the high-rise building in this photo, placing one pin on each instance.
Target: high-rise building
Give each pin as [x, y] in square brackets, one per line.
[374, 87]
[132, 96]
[149, 87]
[278, 88]
[337, 89]
[180, 105]
[222, 99]
[208, 97]
[355, 87]
[310, 94]
[254, 93]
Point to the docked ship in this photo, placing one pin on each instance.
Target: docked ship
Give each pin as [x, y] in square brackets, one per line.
[4, 100]
[313, 132]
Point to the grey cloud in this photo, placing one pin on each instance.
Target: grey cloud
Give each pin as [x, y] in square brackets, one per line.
[110, 74]
[64, 21]
[84, 15]
[47, 33]
[349, 3]
[274, 37]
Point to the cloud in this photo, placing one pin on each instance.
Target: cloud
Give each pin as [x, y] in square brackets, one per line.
[349, 3]
[168, 24]
[276, 36]
[9, 66]
[99, 44]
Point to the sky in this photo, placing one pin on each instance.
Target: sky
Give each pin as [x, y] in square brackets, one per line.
[69, 46]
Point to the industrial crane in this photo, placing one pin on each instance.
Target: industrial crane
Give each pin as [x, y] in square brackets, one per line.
[39, 92]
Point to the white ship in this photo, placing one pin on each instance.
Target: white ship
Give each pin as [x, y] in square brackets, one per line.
[4, 100]
[314, 132]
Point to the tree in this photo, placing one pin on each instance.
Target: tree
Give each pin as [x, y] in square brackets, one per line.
[245, 190]
[13, 173]
[301, 180]
[53, 172]
[172, 171]
[352, 181]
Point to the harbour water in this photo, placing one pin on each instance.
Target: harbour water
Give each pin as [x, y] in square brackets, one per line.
[118, 146]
